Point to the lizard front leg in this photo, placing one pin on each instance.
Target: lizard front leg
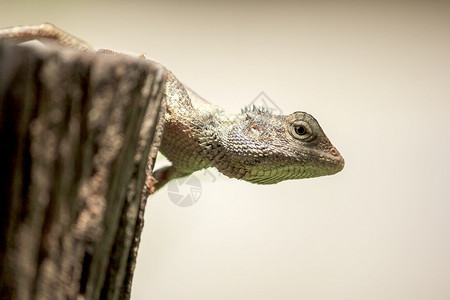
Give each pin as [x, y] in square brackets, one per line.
[43, 33]
[163, 175]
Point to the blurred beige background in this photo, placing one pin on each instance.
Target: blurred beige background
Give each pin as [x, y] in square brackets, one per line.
[375, 75]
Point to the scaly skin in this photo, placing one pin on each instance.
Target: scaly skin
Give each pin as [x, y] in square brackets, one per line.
[255, 146]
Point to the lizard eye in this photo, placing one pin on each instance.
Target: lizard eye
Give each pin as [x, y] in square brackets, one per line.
[301, 131]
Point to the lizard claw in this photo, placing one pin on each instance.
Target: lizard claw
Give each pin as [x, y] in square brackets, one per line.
[150, 182]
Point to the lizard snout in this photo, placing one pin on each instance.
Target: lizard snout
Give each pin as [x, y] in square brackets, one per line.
[340, 162]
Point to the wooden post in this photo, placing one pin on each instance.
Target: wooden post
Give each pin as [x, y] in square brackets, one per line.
[78, 132]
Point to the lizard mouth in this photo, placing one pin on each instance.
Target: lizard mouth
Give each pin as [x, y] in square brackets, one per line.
[331, 162]
[324, 164]
[339, 164]
[338, 159]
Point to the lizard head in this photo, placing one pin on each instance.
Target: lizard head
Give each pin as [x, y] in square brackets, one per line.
[310, 147]
[272, 148]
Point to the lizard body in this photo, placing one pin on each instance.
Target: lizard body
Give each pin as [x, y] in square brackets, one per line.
[255, 145]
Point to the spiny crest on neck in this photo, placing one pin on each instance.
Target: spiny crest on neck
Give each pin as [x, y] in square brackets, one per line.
[253, 109]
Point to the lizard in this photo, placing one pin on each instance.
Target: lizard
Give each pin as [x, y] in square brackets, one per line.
[254, 145]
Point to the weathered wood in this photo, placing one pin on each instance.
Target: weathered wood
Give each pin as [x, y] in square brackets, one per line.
[76, 129]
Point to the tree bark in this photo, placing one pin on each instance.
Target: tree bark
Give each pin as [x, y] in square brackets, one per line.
[80, 132]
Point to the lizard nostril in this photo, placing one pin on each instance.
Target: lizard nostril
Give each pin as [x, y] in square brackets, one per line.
[334, 151]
